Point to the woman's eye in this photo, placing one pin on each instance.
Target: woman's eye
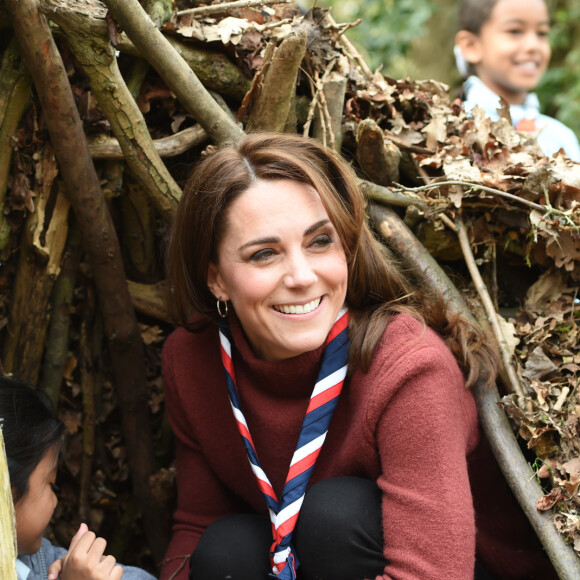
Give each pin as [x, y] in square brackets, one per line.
[262, 255]
[54, 487]
[321, 241]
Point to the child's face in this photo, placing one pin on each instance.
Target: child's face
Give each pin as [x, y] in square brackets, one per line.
[34, 510]
[512, 50]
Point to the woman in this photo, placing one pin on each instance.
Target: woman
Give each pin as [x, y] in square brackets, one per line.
[271, 241]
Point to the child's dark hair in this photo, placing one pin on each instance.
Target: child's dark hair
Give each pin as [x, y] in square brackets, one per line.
[473, 14]
[29, 428]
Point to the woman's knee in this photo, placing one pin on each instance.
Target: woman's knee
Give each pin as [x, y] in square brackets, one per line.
[235, 546]
[339, 531]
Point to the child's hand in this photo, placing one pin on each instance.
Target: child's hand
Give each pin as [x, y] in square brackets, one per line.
[85, 559]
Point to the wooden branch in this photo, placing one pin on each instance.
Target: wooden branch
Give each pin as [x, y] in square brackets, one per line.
[351, 51]
[378, 160]
[138, 233]
[41, 246]
[106, 147]
[334, 94]
[56, 352]
[88, 396]
[86, 34]
[214, 70]
[514, 383]
[15, 98]
[82, 185]
[496, 426]
[493, 191]
[229, 7]
[390, 196]
[174, 71]
[271, 107]
[151, 300]
[8, 549]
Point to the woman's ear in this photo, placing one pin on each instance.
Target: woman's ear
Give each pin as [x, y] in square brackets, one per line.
[470, 46]
[216, 284]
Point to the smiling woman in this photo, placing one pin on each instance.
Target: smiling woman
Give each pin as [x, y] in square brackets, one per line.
[317, 395]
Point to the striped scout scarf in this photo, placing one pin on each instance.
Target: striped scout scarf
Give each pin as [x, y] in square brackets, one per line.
[284, 512]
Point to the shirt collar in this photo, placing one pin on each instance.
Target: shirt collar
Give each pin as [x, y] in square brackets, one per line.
[22, 570]
[477, 92]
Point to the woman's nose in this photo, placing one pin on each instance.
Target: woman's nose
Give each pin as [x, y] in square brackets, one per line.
[300, 272]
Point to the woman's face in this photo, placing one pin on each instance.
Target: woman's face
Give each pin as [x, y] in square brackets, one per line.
[282, 266]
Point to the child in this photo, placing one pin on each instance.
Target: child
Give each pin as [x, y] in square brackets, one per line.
[503, 46]
[32, 439]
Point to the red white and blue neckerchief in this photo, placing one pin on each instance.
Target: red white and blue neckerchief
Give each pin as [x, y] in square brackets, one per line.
[284, 513]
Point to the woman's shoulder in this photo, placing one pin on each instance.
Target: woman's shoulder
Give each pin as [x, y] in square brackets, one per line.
[182, 338]
[410, 348]
[406, 331]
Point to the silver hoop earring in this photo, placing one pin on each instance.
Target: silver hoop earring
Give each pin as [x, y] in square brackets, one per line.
[222, 308]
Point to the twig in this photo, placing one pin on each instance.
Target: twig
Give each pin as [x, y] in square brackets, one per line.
[351, 51]
[227, 6]
[489, 309]
[447, 221]
[546, 209]
[311, 108]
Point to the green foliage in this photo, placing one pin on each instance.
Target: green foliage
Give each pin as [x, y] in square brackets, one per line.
[559, 90]
[387, 28]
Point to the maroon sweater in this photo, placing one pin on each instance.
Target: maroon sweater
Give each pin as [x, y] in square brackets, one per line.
[408, 424]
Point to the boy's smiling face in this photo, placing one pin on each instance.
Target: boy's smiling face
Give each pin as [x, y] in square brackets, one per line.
[34, 510]
[512, 50]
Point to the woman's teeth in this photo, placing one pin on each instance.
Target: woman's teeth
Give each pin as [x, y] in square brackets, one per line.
[298, 308]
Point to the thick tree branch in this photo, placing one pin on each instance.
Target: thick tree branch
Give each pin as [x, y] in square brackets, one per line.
[378, 160]
[15, 89]
[278, 85]
[174, 71]
[86, 34]
[82, 184]
[212, 68]
[105, 147]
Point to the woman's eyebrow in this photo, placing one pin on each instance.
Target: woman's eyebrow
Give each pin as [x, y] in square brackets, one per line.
[275, 240]
[316, 226]
[259, 242]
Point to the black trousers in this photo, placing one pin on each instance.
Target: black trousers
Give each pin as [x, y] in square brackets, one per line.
[338, 537]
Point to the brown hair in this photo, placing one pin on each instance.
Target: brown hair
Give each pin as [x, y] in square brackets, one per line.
[473, 14]
[376, 289]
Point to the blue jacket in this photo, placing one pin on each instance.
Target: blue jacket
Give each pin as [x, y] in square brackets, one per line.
[35, 566]
[553, 135]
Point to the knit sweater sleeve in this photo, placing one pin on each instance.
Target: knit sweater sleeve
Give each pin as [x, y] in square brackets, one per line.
[424, 424]
[201, 496]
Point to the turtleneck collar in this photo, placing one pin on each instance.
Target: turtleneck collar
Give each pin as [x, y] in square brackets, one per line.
[290, 378]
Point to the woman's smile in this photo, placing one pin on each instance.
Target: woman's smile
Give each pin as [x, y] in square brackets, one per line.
[282, 266]
[298, 308]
